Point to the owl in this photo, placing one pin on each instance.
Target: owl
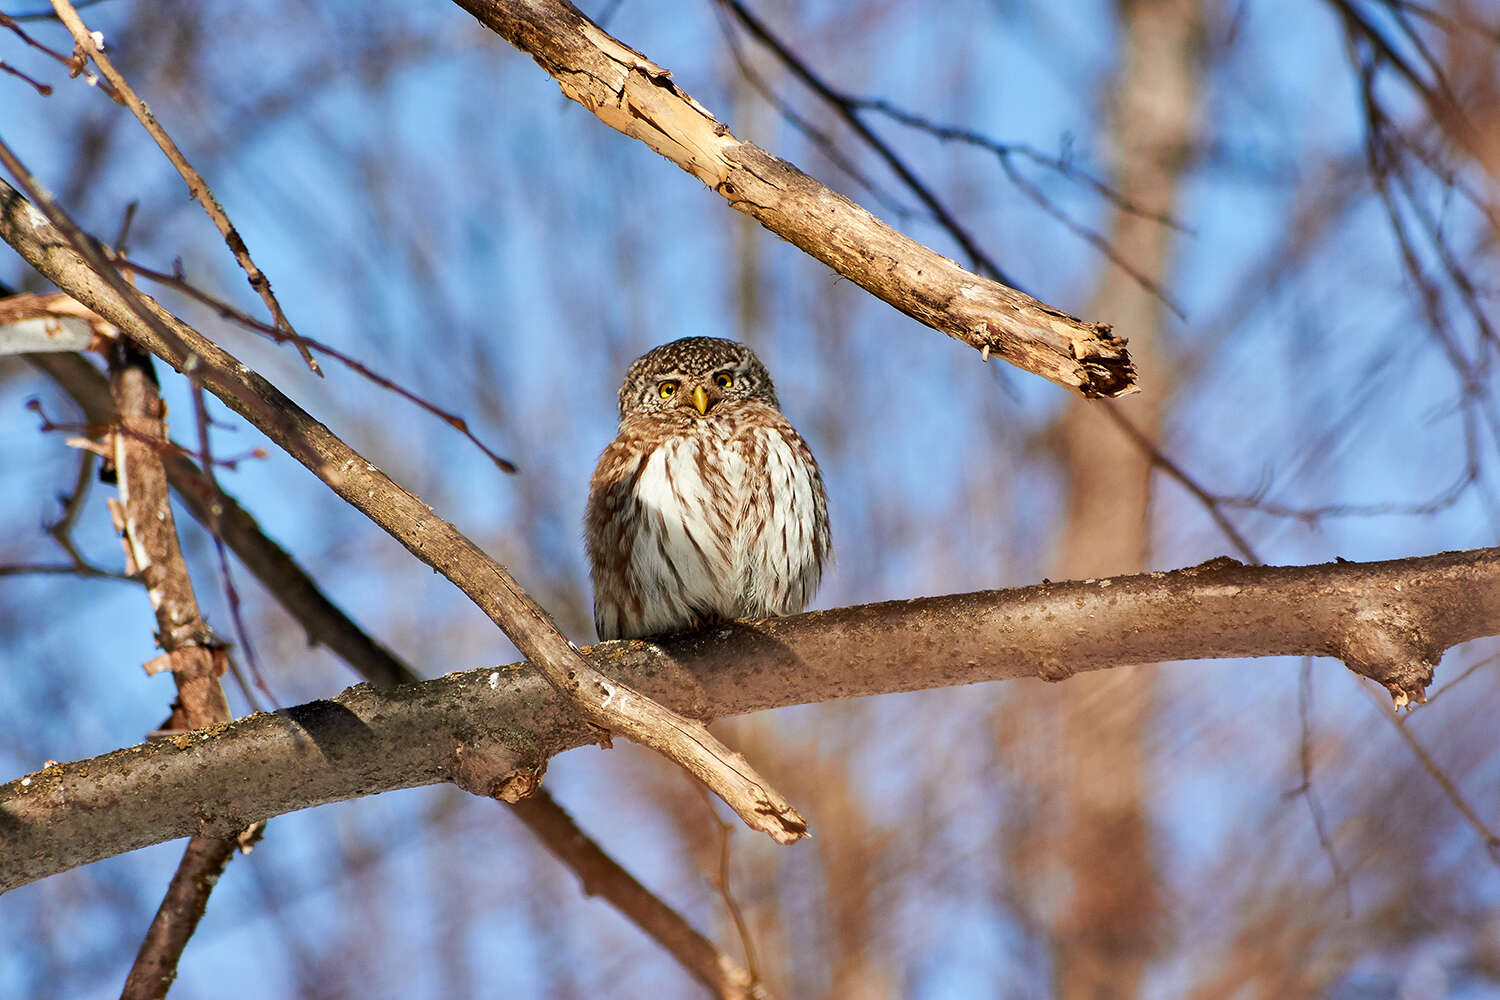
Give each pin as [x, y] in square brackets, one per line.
[708, 505]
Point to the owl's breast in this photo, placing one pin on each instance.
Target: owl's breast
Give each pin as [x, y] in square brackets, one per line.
[689, 494]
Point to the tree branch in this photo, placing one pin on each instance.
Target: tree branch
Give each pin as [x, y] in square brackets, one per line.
[280, 575]
[301, 598]
[608, 705]
[633, 95]
[191, 653]
[602, 876]
[91, 44]
[1390, 621]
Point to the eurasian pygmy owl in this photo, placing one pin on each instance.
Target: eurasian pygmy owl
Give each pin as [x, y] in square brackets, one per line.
[708, 505]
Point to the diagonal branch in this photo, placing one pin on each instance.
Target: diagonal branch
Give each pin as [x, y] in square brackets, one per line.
[92, 45]
[301, 598]
[1390, 621]
[601, 875]
[610, 706]
[845, 108]
[633, 95]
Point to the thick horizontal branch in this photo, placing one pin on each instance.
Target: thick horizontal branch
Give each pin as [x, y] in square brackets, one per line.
[1390, 621]
[633, 95]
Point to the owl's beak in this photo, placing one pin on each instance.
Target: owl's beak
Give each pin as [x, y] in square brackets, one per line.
[700, 400]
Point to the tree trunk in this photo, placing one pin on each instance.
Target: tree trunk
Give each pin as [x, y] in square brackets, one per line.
[1107, 927]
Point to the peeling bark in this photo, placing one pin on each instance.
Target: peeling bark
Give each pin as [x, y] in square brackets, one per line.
[217, 781]
[638, 98]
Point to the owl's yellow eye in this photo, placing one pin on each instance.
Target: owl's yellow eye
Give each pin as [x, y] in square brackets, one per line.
[666, 389]
[723, 380]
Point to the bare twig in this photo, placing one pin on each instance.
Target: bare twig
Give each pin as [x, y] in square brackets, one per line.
[1469, 671]
[229, 312]
[1434, 93]
[1486, 836]
[602, 876]
[370, 740]
[1210, 503]
[226, 576]
[78, 569]
[1305, 788]
[822, 140]
[847, 107]
[51, 15]
[44, 89]
[10, 22]
[277, 572]
[92, 45]
[720, 882]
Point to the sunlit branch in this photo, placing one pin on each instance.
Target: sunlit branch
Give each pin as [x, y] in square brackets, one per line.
[1390, 621]
[638, 98]
[609, 707]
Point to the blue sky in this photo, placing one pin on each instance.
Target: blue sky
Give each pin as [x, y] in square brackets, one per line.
[458, 225]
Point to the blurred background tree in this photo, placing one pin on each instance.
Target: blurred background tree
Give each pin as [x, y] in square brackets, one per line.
[1302, 250]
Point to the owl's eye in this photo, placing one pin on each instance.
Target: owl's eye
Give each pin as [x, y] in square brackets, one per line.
[666, 389]
[723, 380]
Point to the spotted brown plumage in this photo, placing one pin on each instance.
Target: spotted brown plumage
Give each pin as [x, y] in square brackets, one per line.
[708, 504]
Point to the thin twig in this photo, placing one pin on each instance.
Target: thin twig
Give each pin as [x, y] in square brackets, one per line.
[1441, 501]
[82, 570]
[229, 312]
[1468, 672]
[1306, 790]
[1487, 836]
[821, 139]
[1453, 23]
[846, 109]
[44, 89]
[602, 876]
[284, 580]
[720, 881]
[226, 576]
[66, 61]
[849, 106]
[51, 15]
[1210, 502]
[92, 44]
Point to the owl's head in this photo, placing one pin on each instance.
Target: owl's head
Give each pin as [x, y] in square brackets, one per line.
[695, 376]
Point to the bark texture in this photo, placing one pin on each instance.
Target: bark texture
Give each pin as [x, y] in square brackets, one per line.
[638, 98]
[189, 650]
[1390, 621]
